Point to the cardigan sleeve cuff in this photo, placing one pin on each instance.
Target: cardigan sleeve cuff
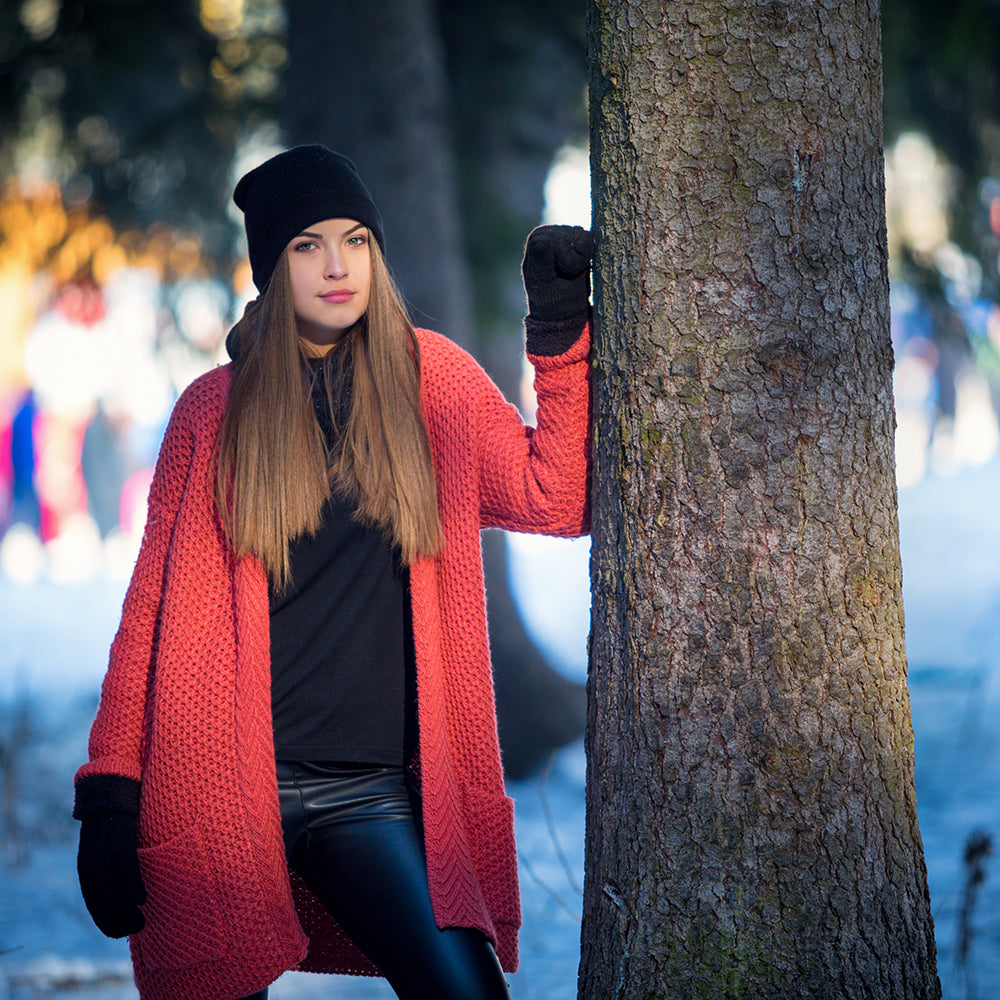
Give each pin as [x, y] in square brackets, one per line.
[101, 793]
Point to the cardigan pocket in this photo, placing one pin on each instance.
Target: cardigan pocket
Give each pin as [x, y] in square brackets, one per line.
[184, 923]
[490, 825]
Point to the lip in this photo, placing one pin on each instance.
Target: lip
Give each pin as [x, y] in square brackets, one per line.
[338, 295]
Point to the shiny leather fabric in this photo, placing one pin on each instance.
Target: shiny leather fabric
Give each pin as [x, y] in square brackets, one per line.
[352, 831]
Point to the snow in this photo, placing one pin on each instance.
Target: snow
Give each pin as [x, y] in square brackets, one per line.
[55, 640]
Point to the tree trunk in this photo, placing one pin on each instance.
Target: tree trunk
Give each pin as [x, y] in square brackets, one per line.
[752, 822]
[369, 81]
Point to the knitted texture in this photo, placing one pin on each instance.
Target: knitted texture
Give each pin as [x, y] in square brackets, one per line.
[185, 705]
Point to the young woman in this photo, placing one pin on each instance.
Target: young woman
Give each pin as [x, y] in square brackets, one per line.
[295, 761]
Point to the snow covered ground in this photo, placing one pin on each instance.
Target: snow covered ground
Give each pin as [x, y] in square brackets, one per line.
[52, 653]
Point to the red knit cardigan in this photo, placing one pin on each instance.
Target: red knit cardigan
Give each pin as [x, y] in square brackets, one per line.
[185, 705]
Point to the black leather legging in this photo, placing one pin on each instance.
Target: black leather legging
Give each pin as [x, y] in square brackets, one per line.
[351, 833]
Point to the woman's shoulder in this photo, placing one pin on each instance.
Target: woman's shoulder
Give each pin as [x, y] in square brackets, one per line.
[208, 391]
[205, 397]
[441, 357]
[437, 345]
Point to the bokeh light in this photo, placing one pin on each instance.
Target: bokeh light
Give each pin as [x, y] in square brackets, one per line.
[104, 330]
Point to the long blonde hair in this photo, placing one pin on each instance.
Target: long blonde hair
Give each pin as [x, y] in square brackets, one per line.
[275, 470]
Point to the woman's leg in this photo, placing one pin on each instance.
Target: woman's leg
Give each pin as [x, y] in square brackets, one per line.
[352, 836]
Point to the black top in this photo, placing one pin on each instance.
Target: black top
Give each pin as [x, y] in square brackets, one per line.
[339, 643]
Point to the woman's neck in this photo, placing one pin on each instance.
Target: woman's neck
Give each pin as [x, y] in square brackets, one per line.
[313, 350]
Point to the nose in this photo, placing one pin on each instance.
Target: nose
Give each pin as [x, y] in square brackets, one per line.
[336, 265]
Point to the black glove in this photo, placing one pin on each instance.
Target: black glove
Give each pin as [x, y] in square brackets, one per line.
[556, 270]
[108, 859]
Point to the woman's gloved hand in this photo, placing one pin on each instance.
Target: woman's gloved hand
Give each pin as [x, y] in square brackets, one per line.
[108, 858]
[556, 271]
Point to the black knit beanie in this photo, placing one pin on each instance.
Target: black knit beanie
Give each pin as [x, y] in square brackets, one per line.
[293, 190]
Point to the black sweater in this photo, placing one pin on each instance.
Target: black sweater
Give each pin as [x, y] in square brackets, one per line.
[339, 644]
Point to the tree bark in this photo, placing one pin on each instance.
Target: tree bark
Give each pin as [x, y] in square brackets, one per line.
[752, 823]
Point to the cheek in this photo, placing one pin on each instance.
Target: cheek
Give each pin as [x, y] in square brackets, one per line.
[300, 280]
[294, 276]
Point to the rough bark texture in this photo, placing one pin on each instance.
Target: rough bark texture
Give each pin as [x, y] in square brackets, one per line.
[752, 823]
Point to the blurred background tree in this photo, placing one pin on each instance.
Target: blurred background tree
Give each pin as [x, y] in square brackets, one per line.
[941, 79]
[139, 108]
[454, 115]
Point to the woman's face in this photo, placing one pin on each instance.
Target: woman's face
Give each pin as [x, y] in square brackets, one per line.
[331, 275]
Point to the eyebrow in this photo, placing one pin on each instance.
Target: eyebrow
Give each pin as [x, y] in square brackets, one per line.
[318, 236]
